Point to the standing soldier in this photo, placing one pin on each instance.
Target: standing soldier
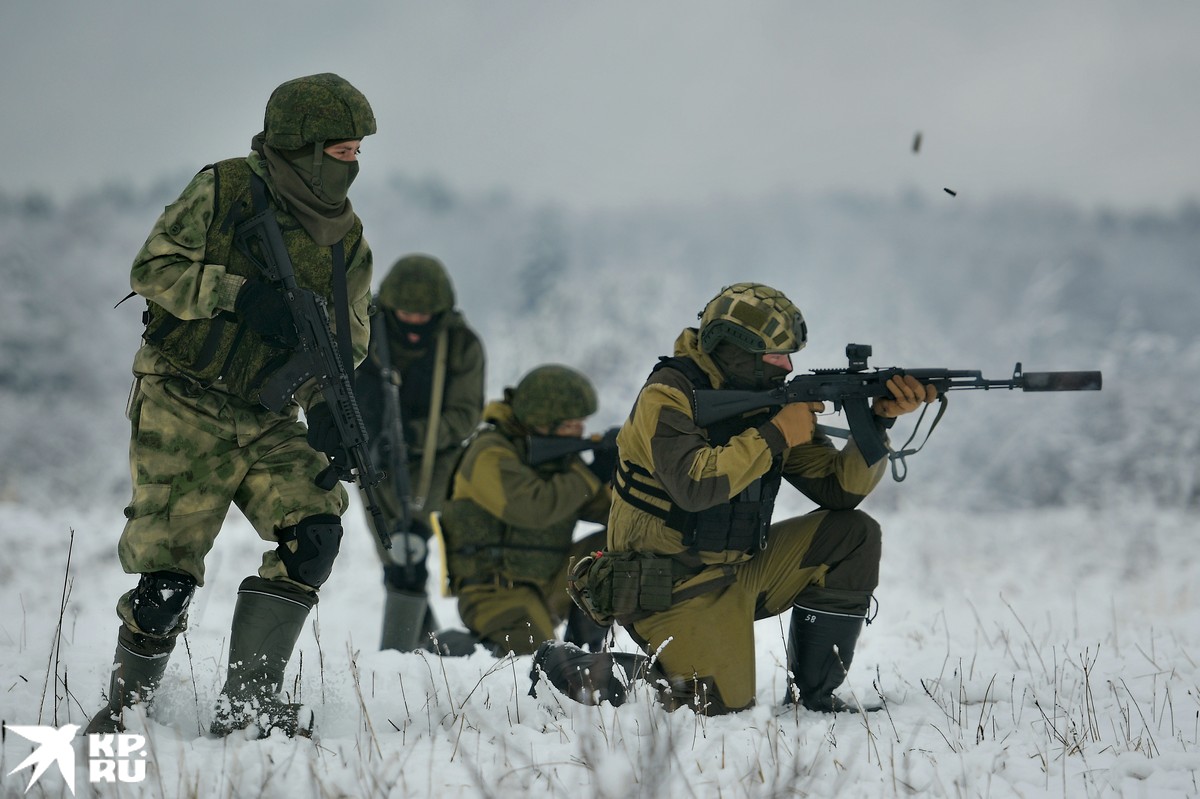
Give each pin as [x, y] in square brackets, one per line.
[421, 394]
[692, 509]
[509, 524]
[215, 331]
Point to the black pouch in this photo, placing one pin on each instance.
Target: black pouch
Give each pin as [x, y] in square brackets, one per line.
[620, 586]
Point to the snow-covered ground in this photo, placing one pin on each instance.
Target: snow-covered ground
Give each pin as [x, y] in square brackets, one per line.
[1047, 653]
[1038, 627]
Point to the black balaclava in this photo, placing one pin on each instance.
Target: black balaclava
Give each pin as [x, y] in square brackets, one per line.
[745, 370]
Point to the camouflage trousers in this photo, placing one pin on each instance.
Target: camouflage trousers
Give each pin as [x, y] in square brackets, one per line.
[192, 454]
[827, 560]
[518, 616]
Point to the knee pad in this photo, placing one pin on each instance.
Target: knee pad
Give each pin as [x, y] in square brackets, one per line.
[160, 601]
[318, 539]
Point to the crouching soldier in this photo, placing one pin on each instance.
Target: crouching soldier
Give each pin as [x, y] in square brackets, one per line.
[216, 330]
[690, 525]
[508, 526]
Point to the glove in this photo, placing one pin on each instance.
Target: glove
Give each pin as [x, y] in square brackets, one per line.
[323, 433]
[263, 309]
[604, 456]
[797, 421]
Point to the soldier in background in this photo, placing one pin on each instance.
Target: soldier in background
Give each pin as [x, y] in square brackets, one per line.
[202, 440]
[421, 395]
[691, 510]
[508, 526]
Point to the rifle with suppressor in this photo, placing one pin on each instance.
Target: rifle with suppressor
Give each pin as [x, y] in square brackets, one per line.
[543, 449]
[851, 390]
[316, 357]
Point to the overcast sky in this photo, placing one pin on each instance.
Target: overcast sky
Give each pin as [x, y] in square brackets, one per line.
[616, 102]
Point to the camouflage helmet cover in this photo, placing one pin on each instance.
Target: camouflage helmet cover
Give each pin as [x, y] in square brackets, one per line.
[552, 394]
[754, 317]
[418, 284]
[316, 108]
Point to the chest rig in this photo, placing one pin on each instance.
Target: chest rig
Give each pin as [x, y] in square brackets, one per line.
[742, 524]
[220, 348]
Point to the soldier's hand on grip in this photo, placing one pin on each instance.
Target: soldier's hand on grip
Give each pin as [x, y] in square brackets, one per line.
[263, 309]
[323, 435]
[797, 420]
[908, 394]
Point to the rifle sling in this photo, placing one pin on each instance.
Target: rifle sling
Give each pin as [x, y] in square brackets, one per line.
[429, 450]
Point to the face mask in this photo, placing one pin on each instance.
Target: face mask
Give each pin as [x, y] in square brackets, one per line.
[415, 335]
[332, 182]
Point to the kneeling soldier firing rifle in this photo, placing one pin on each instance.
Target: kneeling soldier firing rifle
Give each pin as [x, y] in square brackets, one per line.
[693, 559]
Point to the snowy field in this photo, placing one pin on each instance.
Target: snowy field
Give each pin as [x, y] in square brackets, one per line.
[1047, 653]
[1038, 629]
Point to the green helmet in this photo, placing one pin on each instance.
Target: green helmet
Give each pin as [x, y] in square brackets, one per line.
[753, 317]
[316, 108]
[418, 284]
[552, 394]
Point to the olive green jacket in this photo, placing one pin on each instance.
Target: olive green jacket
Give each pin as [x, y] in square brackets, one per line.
[171, 271]
[509, 520]
[661, 436]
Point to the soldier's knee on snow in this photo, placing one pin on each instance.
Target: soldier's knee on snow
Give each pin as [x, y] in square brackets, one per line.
[308, 548]
[160, 601]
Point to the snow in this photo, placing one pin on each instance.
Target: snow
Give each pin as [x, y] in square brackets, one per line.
[1037, 631]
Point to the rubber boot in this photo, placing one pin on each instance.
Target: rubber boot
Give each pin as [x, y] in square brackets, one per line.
[138, 665]
[267, 622]
[406, 617]
[588, 677]
[453, 642]
[819, 652]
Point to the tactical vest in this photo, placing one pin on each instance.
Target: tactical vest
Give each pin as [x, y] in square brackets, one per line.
[482, 550]
[219, 348]
[740, 525]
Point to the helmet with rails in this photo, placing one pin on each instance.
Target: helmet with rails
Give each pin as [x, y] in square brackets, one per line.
[314, 109]
[753, 317]
[417, 284]
[552, 394]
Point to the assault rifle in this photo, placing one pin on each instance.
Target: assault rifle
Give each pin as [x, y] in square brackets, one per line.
[543, 449]
[316, 357]
[851, 390]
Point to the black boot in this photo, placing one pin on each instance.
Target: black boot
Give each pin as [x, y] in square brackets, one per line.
[267, 622]
[588, 677]
[139, 664]
[407, 620]
[819, 652]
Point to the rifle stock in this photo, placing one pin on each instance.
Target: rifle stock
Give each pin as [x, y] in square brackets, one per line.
[543, 449]
[852, 389]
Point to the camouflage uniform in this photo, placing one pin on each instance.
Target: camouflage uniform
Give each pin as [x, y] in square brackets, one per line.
[216, 329]
[702, 497]
[508, 529]
[195, 449]
[441, 358]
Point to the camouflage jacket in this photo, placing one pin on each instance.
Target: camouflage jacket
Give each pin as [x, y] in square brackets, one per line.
[506, 519]
[172, 271]
[662, 439]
